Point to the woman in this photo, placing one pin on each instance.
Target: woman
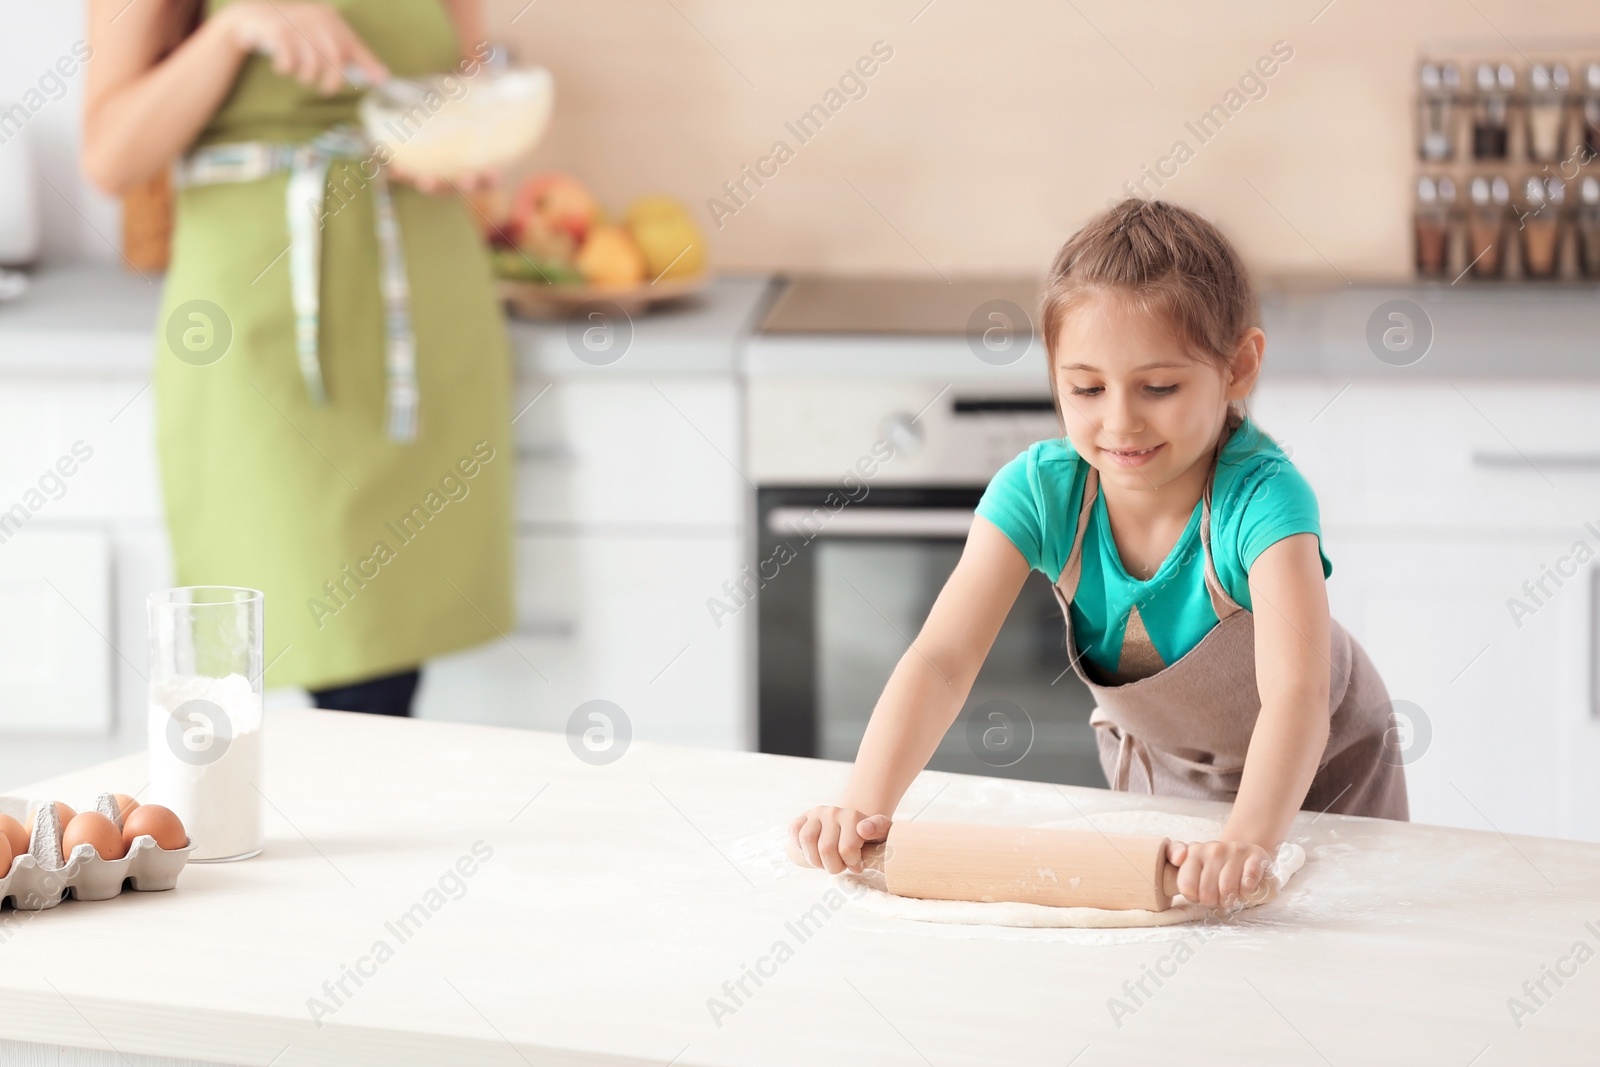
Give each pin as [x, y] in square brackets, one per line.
[332, 380]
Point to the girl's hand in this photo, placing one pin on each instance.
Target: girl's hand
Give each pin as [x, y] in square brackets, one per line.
[831, 838]
[1218, 873]
[311, 43]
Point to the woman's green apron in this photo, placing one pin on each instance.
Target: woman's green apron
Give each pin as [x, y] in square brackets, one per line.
[379, 532]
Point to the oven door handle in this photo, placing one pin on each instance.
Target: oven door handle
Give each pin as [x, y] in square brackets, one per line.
[941, 524]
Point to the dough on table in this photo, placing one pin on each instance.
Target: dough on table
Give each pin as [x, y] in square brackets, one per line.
[864, 894]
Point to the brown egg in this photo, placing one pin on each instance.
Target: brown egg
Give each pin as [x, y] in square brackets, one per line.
[5, 854]
[157, 822]
[63, 812]
[125, 804]
[15, 834]
[94, 829]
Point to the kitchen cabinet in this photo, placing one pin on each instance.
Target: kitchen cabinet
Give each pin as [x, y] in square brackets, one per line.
[102, 424]
[1444, 506]
[648, 453]
[55, 674]
[78, 484]
[606, 616]
[629, 511]
[629, 516]
[1488, 693]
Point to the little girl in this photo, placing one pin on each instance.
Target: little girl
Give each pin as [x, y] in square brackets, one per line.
[1186, 554]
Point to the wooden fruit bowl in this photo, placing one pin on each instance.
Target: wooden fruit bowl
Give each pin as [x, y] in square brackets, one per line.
[543, 300]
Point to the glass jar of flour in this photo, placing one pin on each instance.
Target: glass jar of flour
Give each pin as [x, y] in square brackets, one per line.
[204, 725]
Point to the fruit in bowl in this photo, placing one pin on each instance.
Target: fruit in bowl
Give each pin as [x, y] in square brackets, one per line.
[557, 203]
[513, 264]
[611, 259]
[558, 233]
[670, 241]
[557, 250]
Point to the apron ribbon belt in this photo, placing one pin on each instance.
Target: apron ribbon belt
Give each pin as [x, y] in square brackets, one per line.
[308, 165]
[1129, 746]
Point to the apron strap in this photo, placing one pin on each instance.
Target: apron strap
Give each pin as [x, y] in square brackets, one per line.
[400, 356]
[1128, 746]
[1073, 571]
[1221, 603]
[305, 198]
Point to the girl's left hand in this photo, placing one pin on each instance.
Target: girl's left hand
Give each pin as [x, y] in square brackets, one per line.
[1218, 873]
[476, 181]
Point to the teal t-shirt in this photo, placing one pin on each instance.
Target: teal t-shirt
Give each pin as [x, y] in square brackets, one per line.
[1258, 498]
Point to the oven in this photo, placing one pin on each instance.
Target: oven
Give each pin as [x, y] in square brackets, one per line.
[865, 493]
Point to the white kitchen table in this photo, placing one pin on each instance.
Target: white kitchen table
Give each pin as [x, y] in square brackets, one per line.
[604, 907]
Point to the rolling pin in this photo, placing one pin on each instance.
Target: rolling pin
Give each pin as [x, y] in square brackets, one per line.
[1059, 868]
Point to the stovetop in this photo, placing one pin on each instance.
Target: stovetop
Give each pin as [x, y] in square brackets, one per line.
[835, 304]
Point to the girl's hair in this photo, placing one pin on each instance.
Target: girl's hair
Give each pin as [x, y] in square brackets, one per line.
[1165, 260]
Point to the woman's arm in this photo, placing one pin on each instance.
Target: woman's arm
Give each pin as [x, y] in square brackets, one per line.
[922, 698]
[141, 112]
[467, 16]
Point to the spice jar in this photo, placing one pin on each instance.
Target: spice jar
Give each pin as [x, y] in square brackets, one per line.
[1486, 229]
[1435, 201]
[1540, 224]
[1436, 111]
[1589, 226]
[1491, 120]
[1589, 120]
[1547, 107]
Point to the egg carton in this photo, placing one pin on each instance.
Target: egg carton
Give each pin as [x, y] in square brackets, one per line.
[42, 877]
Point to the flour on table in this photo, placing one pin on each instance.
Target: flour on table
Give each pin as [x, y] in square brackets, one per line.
[864, 894]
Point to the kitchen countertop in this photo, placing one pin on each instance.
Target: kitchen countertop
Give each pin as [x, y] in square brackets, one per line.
[101, 319]
[700, 335]
[606, 905]
[1528, 332]
[97, 319]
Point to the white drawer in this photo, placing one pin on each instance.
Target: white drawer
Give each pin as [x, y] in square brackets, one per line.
[625, 451]
[1477, 455]
[1500, 693]
[629, 451]
[56, 632]
[78, 451]
[619, 618]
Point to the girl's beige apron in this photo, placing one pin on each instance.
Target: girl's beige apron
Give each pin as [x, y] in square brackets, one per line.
[1184, 730]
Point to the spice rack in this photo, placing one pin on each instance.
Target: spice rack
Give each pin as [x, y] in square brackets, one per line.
[1507, 185]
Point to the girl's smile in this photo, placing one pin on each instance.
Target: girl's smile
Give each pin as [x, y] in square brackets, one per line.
[1132, 457]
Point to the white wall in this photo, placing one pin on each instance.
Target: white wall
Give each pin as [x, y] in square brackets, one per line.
[78, 223]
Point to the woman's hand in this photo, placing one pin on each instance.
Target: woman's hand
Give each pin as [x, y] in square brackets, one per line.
[831, 838]
[311, 43]
[1218, 873]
